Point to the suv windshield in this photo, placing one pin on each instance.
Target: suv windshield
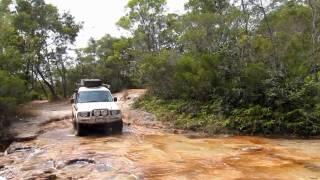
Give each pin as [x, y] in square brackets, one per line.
[94, 96]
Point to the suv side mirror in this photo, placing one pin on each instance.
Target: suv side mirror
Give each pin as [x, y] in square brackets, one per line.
[72, 101]
[115, 99]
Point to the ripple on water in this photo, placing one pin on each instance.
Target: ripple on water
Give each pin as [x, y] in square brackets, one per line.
[313, 167]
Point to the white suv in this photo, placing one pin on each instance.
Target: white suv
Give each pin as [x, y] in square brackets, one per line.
[95, 106]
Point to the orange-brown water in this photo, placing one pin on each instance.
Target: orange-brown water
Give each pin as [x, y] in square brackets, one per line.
[163, 156]
[147, 152]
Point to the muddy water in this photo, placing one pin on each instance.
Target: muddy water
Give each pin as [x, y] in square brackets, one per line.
[161, 156]
[145, 151]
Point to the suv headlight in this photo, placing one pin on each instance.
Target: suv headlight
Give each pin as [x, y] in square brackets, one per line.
[115, 112]
[104, 113]
[84, 114]
[96, 112]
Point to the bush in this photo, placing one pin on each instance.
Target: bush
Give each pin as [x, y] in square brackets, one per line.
[184, 114]
[197, 76]
[252, 120]
[156, 72]
[256, 84]
[12, 92]
[255, 102]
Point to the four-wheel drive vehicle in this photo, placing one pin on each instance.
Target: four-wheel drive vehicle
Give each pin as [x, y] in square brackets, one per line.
[93, 104]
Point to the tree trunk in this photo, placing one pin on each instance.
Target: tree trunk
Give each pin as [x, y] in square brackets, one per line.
[315, 15]
[244, 49]
[274, 62]
[50, 86]
[44, 89]
[62, 73]
[64, 80]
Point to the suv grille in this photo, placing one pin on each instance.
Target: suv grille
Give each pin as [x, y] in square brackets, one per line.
[100, 112]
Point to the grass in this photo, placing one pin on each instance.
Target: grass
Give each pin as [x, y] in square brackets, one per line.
[190, 115]
[209, 118]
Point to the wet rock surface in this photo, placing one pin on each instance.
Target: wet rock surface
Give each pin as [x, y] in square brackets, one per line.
[148, 149]
[25, 137]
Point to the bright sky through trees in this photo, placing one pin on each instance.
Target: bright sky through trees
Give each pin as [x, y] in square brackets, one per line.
[100, 16]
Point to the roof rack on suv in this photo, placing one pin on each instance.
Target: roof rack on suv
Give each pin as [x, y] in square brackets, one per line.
[92, 83]
[89, 83]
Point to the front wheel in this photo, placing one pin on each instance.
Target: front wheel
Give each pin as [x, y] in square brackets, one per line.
[117, 127]
[78, 129]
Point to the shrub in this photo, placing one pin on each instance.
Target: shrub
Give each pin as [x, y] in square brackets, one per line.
[12, 92]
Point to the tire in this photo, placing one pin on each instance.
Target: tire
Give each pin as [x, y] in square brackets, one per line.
[78, 129]
[117, 127]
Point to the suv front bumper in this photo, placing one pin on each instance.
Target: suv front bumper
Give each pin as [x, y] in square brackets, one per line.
[99, 120]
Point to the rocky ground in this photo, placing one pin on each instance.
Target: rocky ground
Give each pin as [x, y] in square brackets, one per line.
[45, 148]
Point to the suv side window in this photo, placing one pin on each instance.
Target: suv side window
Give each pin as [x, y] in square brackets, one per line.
[76, 97]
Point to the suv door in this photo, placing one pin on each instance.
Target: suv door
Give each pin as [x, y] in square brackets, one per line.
[74, 109]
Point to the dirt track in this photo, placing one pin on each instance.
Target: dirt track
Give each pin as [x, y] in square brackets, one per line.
[48, 149]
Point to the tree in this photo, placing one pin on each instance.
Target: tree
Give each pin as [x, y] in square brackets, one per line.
[146, 21]
[10, 42]
[207, 6]
[256, 60]
[315, 8]
[108, 59]
[44, 33]
[12, 87]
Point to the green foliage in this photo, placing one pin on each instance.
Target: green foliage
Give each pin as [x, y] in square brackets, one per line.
[46, 35]
[252, 63]
[252, 120]
[193, 115]
[213, 6]
[33, 42]
[108, 59]
[12, 92]
[196, 76]
[145, 19]
[156, 70]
